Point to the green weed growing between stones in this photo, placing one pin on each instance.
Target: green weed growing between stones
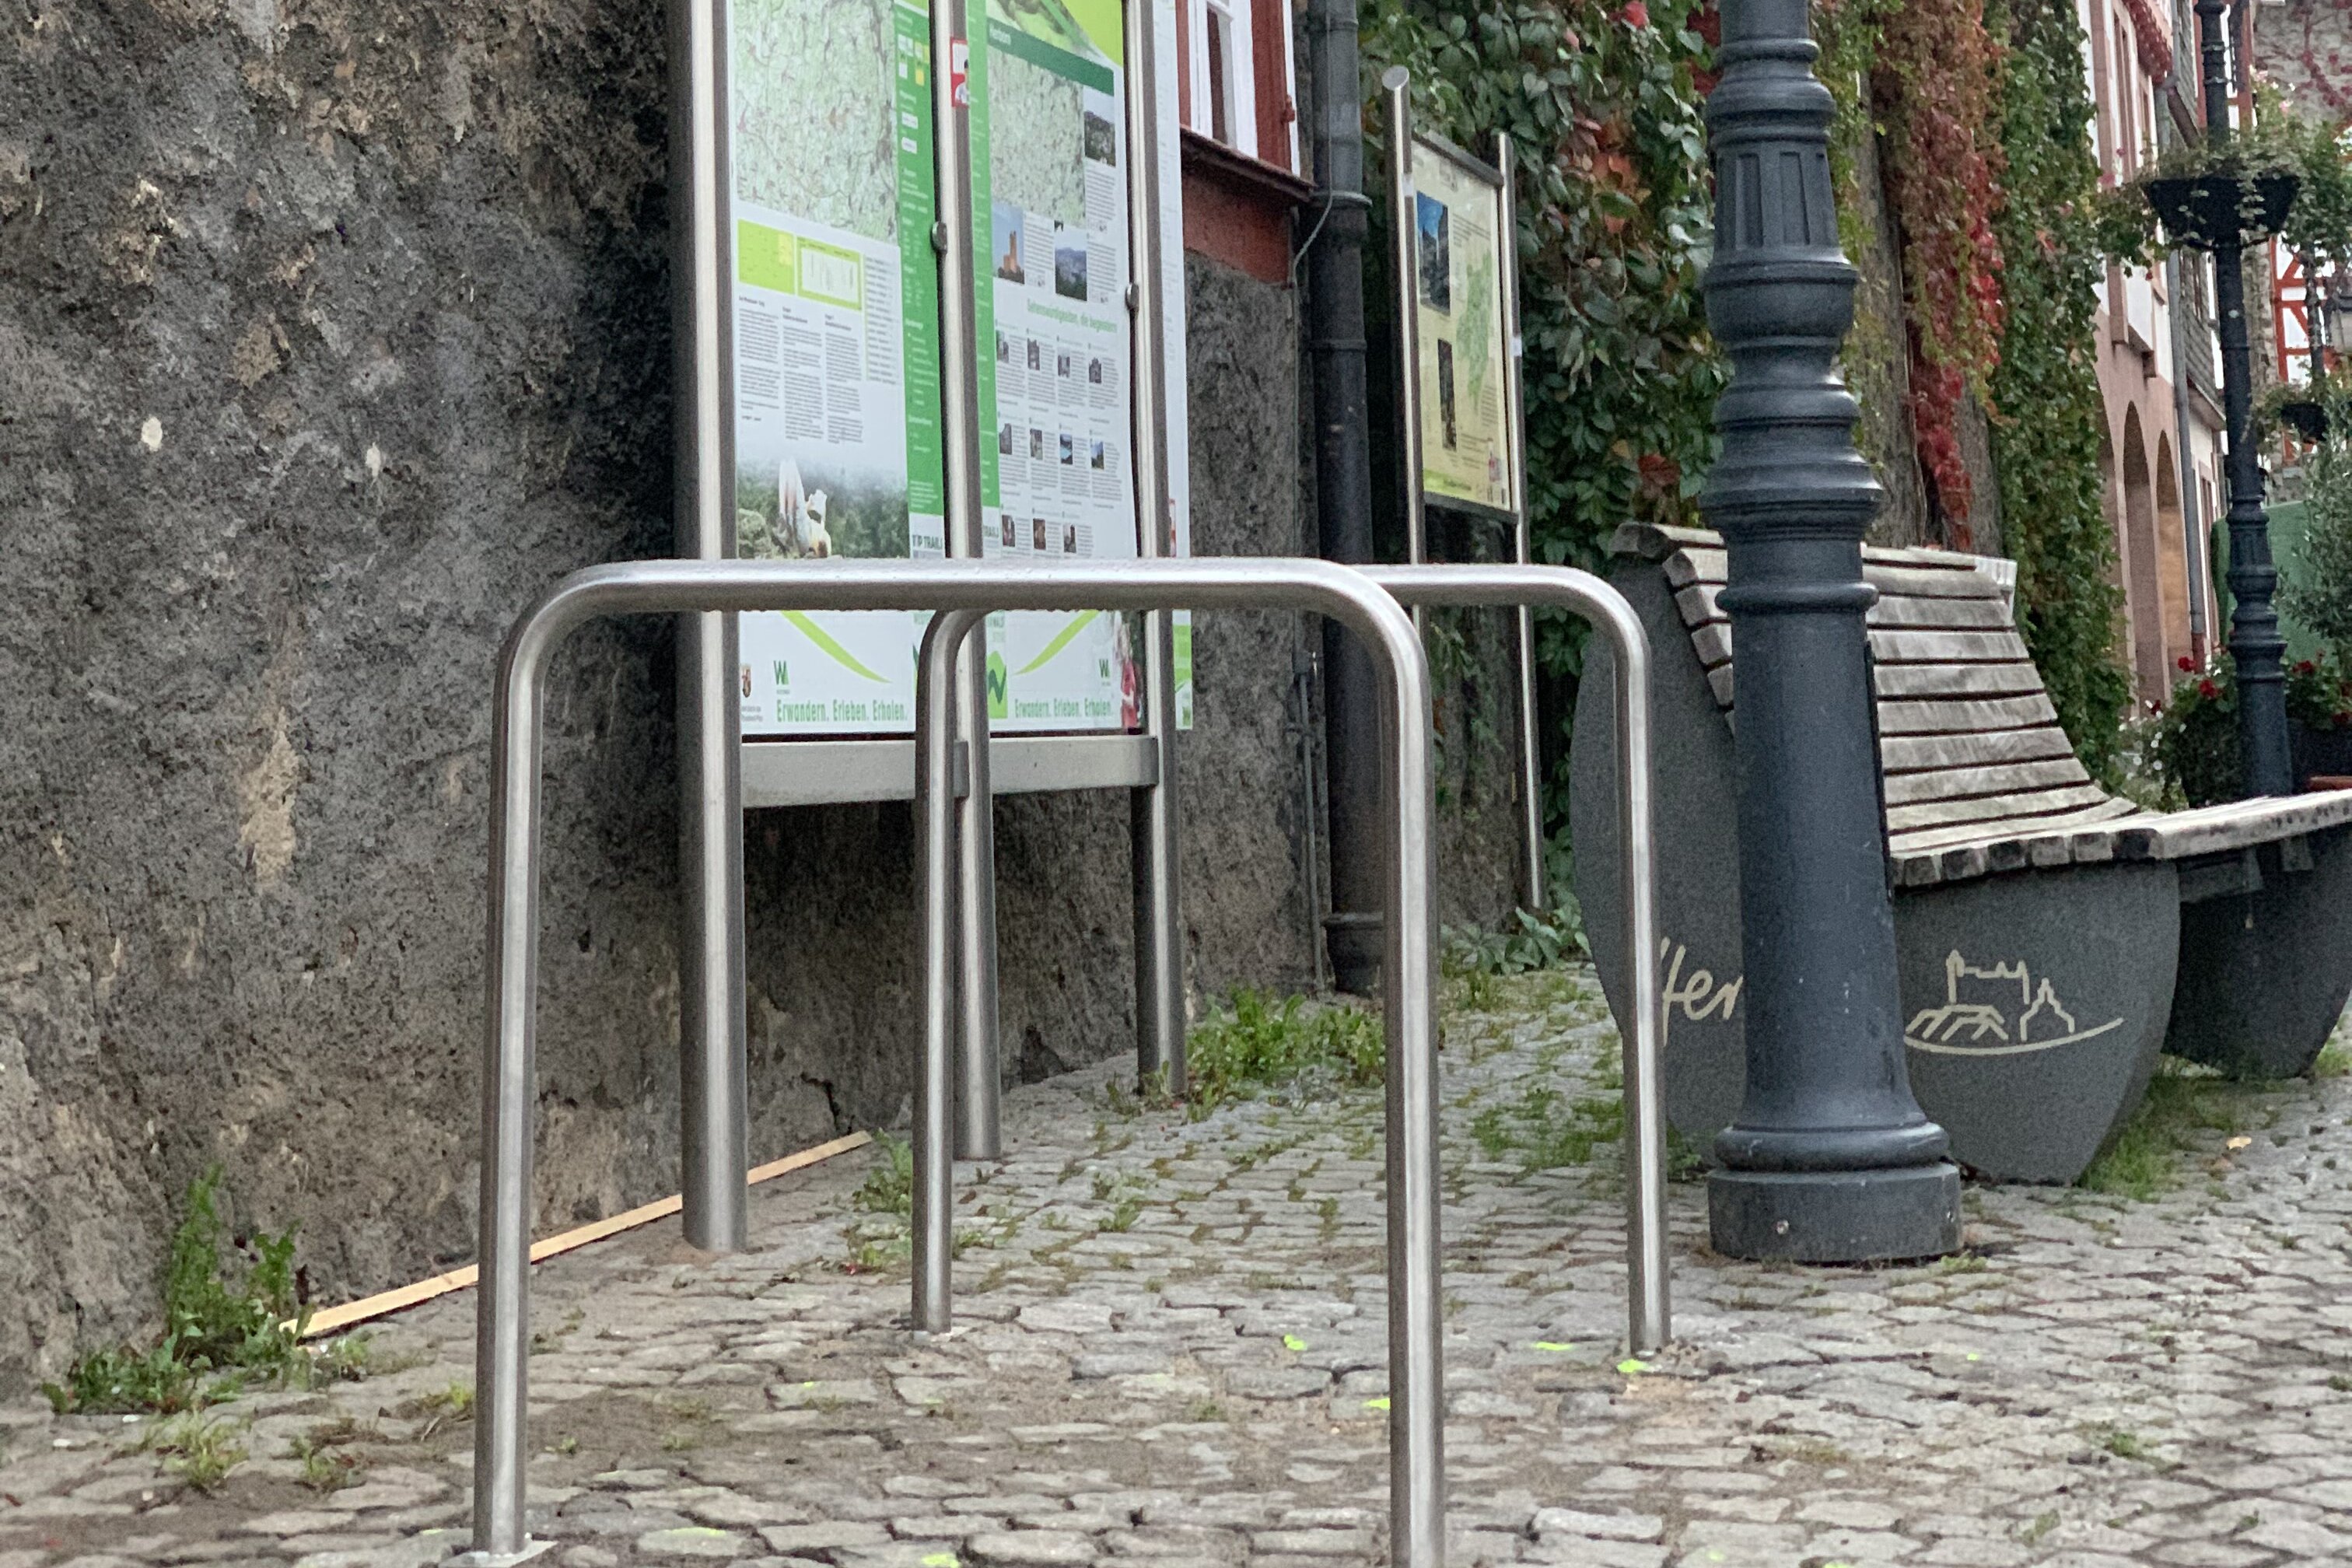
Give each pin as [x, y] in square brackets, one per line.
[1255, 1043]
[888, 1194]
[220, 1335]
[2184, 1106]
[2120, 1441]
[889, 1186]
[197, 1449]
[326, 1466]
[1474, 958]
[1543, 1129]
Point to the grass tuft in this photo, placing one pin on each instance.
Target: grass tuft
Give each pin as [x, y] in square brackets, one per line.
[1543, 1129]
[225, 1328]
[1256, 1043]
[197, 1449]
[2185, 1105]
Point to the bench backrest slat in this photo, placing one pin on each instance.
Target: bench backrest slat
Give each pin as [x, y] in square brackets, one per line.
[1901, 754]
[1976, 773]
[1961, 715]
[2013, 780]
[1985, 809]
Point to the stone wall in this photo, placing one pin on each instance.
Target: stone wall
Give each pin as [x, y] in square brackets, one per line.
[328, 336]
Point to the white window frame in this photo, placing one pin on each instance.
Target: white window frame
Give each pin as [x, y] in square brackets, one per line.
[1240, 71]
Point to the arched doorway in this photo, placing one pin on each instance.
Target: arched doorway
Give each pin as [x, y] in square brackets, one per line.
[2143, 590]
[2171, 557]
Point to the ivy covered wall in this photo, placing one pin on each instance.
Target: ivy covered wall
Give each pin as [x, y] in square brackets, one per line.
[1965, 172]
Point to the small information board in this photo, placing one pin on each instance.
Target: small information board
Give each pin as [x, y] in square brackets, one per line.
[1469, 430]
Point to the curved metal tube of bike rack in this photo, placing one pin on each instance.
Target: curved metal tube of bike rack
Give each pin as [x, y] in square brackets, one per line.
[1649, 1311]
[1416, 1421]
[1649, 1308]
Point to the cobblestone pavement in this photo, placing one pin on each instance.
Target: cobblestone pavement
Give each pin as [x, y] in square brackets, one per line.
[1172, 1348]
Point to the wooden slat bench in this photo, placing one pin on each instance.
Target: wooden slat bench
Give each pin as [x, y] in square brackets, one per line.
[2051, 938]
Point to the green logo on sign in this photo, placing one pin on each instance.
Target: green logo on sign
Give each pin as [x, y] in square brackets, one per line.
[996, 709]
[783, 676]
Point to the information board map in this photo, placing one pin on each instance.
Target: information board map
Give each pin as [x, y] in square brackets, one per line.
[837, 427]
[1465, 437]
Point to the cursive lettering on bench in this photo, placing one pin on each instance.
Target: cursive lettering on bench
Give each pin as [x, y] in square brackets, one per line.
[1698, 995]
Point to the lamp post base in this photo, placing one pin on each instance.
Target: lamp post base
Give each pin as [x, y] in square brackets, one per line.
[1835, 1216]
[1357, 943]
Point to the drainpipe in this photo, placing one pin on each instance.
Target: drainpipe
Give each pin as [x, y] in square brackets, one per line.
[1343, 489]
[2195, 530]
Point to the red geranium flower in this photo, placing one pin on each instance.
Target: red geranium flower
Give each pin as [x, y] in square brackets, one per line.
[2206, 688]
[2305, 667]
[2187, 664]
[1635, 15]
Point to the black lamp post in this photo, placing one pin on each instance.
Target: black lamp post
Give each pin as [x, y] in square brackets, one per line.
[1830, 1159]
[2255, 645]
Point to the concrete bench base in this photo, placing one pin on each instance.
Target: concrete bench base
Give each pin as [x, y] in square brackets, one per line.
[2052, 941]
[2265, 966]
[2099, 939]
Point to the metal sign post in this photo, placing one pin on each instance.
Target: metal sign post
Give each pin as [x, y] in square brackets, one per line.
[509, 1091]
[979, 1135]
[1158, 899]
[1404, 258]
[1439, 257]
[714, 1127]
[1534, 884]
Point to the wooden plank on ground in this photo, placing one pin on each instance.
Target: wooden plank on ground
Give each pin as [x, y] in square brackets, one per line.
[383, 1303]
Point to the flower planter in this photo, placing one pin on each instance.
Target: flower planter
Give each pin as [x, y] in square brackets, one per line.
[2210, 209]
[2308, 417]
[2321, 751]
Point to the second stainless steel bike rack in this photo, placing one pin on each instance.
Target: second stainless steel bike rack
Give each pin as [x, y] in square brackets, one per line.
[1416, 1385]
[1648, 1304]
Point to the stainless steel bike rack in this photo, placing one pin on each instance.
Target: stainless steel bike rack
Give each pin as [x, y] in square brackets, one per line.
[1649, 1308]
[1648, 1305]
[1416, 1423]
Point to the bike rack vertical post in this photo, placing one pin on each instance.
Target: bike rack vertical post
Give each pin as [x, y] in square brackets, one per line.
[1152, 819]
[978, 1134]
[1649, 1310]
[713, 1125]
[932, 1223]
